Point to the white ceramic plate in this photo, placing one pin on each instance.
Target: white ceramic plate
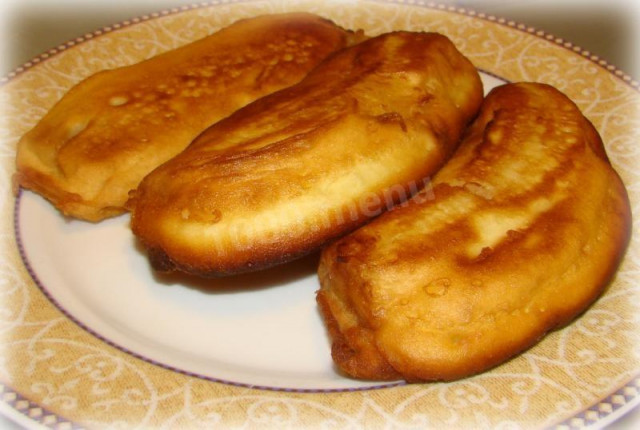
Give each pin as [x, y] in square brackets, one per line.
[261, 330]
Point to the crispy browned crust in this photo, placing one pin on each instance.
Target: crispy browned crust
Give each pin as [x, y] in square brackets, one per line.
[353, 349]
[522, 231]
[110, 130]
[287, 173]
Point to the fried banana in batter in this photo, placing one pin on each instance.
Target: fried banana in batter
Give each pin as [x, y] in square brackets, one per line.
[293, 170]
[522, 231]
[112, 129]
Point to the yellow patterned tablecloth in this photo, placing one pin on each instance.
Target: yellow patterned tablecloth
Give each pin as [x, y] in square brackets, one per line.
[60, 375]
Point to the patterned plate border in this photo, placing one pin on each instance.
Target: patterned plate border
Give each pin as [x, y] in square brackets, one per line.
[595, 416]
[428, 4]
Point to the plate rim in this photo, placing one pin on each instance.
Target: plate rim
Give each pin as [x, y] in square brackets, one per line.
[435, 5]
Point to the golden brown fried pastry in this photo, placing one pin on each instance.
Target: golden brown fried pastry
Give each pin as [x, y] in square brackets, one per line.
[112, 129]
[295, 169]
[519, 233]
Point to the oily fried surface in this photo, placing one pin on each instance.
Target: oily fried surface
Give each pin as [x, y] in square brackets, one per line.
[110, 130]
[295, 169]
[520, 232]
